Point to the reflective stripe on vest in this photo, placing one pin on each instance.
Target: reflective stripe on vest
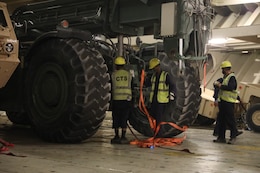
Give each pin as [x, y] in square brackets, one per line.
[121, 80]
[163, 89]
[228, 96]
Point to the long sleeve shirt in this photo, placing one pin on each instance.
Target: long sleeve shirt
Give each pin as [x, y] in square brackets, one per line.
[232, 85]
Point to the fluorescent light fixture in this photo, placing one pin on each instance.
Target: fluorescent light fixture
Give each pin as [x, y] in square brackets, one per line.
[217, 41]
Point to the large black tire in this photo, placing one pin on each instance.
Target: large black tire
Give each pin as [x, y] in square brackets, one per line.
[204, 121]
[20, 118]
[67, 90]
[183, 111]
[253, 117]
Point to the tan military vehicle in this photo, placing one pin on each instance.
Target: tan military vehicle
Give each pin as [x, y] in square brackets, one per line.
[250, 96]
[247, 112]
[8, 46]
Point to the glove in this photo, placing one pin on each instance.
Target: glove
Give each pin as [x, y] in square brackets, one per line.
[172, 96]
[216, 83]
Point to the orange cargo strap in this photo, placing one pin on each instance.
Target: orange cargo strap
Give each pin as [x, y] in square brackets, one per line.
[153, 141]
[142, 106]
[204, 75]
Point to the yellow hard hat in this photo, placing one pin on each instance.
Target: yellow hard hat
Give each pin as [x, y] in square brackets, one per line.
[225, 64]
[153, 63]
[120, 60]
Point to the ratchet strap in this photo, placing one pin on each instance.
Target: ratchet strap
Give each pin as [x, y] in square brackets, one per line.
[154, 141]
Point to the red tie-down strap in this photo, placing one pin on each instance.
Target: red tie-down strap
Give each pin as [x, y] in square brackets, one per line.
[5, 145]
[5, 150]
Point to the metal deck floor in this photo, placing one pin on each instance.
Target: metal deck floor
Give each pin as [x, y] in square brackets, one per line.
[97, 155]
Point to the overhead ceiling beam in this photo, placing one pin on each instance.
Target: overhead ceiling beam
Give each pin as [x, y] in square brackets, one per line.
[242, 31]
[229, 20]
[232, 2]
[244, 19]
[252, 18]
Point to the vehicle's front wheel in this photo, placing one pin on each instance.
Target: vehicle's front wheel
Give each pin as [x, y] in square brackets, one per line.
[67, 90]
[253, 117]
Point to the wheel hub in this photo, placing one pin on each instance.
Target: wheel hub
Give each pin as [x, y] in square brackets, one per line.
[49, 90]
[256, 118]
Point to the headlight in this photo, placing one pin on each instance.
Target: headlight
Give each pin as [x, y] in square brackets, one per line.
[9, 47]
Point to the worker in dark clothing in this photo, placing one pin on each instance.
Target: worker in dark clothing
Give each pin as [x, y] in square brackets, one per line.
[163, 90]
[122, 96]
[215, 96]
[227, 97]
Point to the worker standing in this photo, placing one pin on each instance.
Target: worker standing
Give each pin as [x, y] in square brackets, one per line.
[215, 96]
[162, 91]
[227, 97]
[122, 96]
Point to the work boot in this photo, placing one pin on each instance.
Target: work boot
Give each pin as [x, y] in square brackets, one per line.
[124, 140]
[215, 134]
[219, 140]
[115, 140]
[231, 141]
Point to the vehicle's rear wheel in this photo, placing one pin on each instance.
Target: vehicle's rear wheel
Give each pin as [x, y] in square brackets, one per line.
[67, 90]
[204, 121]
[183, 111]
[253, 117]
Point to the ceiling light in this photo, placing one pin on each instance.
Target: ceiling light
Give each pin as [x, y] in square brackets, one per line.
[217, 41]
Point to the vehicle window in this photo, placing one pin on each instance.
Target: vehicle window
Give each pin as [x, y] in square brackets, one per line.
[2, 19]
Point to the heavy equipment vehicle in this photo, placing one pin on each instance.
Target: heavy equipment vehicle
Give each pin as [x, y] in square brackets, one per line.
[61, 86]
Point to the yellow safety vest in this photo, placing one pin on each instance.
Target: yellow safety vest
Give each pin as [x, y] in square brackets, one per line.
[121, 80]
[228, 96]
[163, 89]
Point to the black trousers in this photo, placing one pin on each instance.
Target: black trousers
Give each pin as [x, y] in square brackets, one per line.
[226, 118]
[120, 113]
[157, 111]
